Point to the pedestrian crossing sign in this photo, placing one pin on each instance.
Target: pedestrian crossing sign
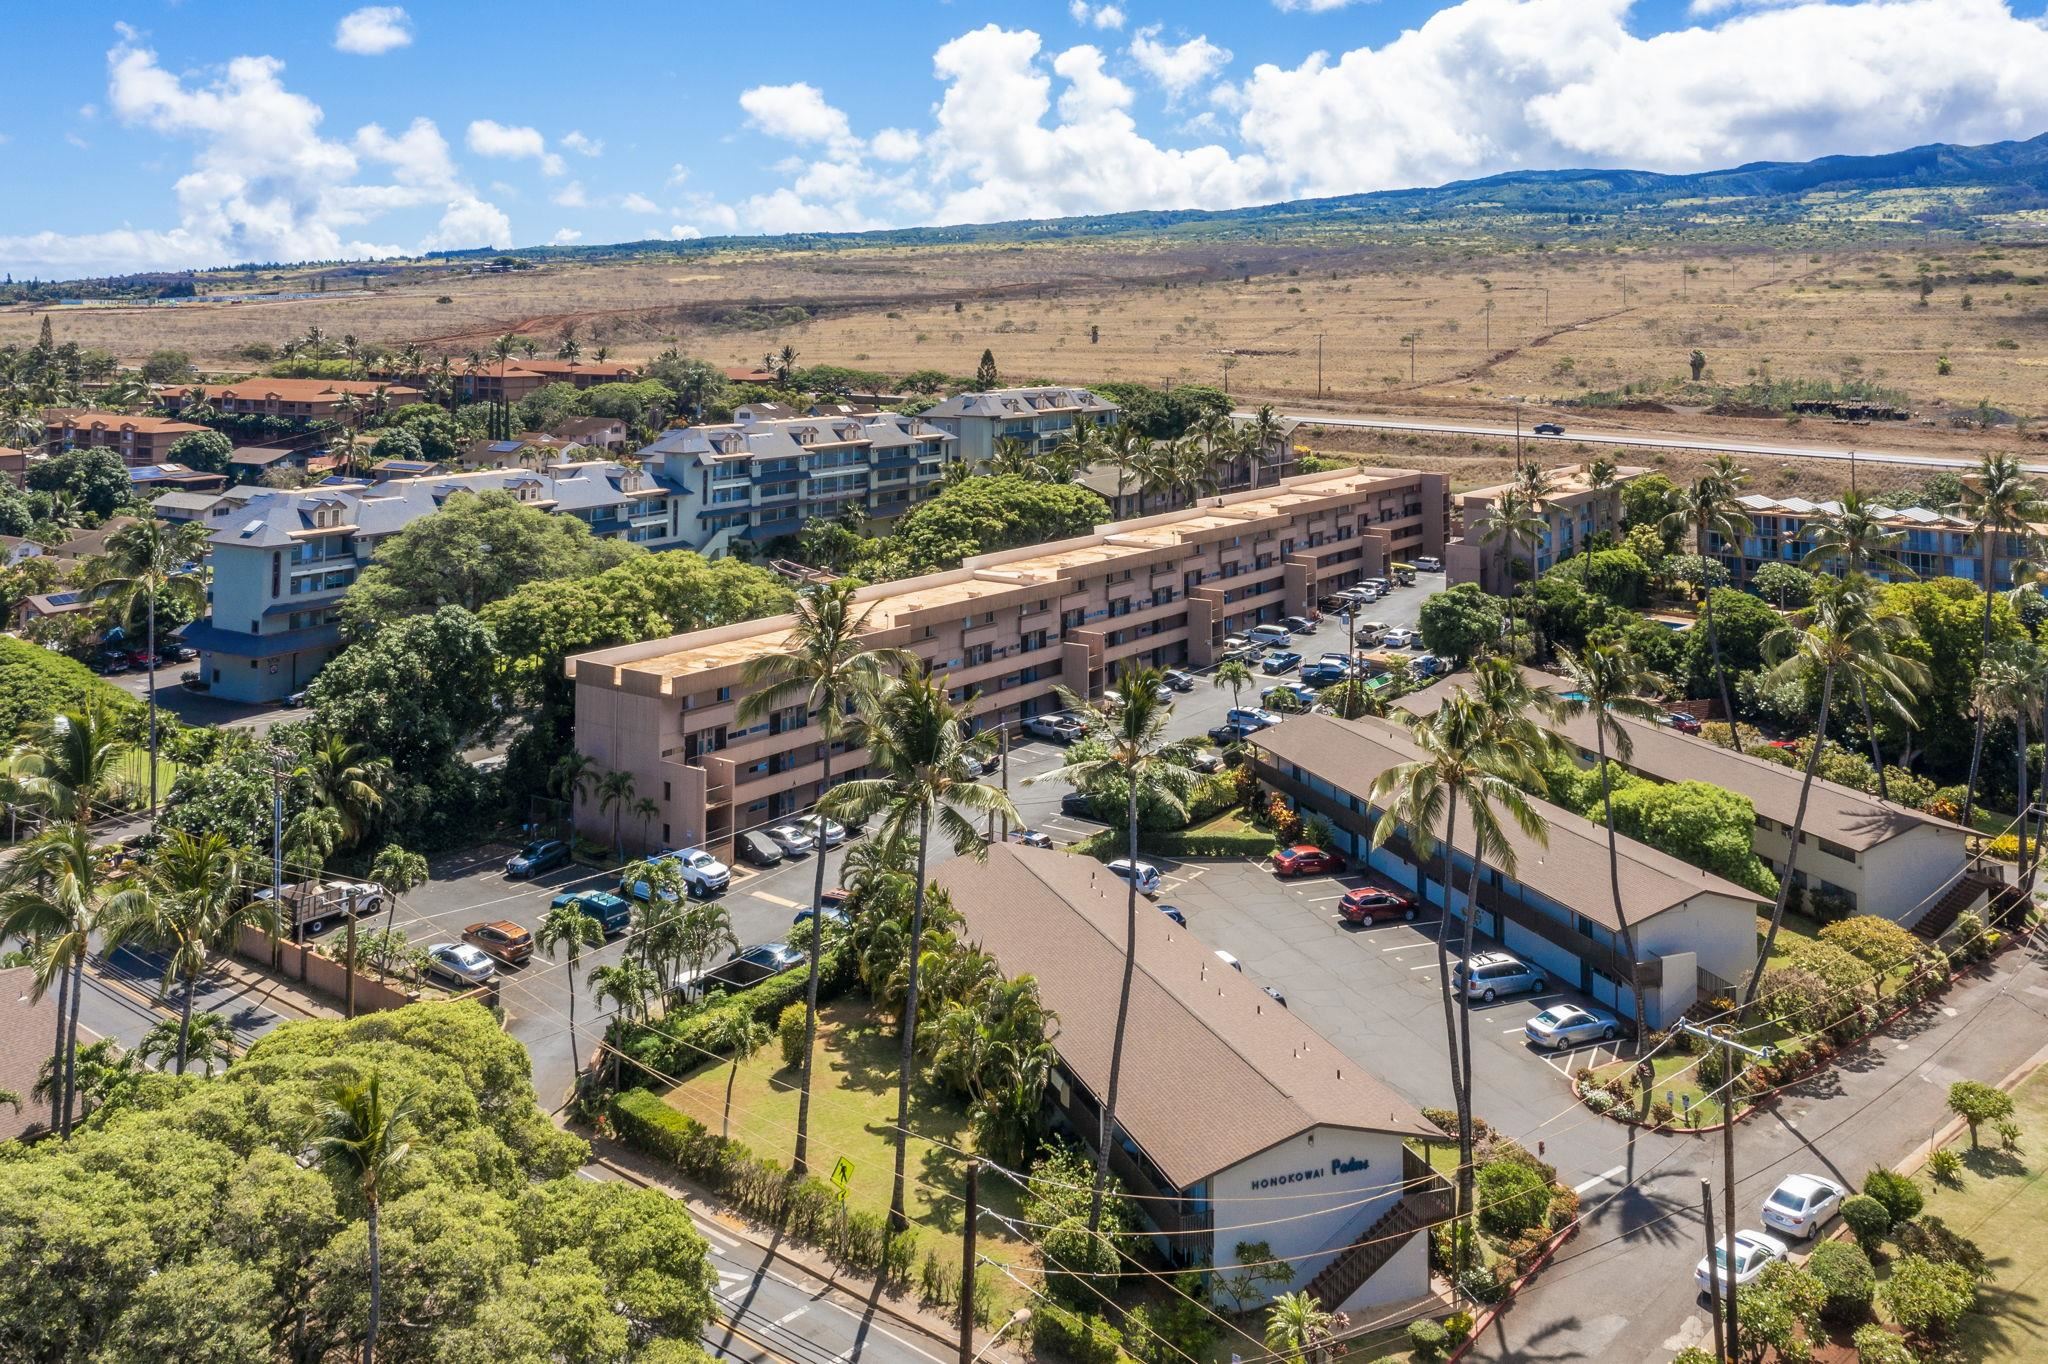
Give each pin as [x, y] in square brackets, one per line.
[842, 1175]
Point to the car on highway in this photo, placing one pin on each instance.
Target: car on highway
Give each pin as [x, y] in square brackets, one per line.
[1548, 429]
[1754, 1253]
[501, 938]
[612, 913]
[1489, 975]
[1180, 679]
[751, 965]
[1276, 663]
[1372, 905]
[1061, 729]
[757, 849]
[1300, 625]
[793, 841]
[1306, 859]
[704, 874]
[1251, 717]
[1568, 1025]
[1143, 875]
[1400, 637]
[543, 854]
[1272, 635]
[834, 831]
[1031, 838]
[460, 964]
[1303, 694]
[1802, 1203]
[1173, 912]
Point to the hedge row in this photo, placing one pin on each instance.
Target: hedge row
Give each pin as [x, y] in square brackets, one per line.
[1080, 1337]
[806, 1208]
[36, 684]
[1112, 843]
[680, 1042]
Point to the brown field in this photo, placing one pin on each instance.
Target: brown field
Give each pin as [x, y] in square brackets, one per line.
[1172, 312]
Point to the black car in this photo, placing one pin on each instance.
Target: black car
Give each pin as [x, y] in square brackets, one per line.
[753, 964]
[756, 849]
[1549, 429]
[1078, 804]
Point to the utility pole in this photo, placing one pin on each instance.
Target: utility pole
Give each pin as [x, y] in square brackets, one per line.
[1319, 364]
[967, 1262]
[1730, 1048]
[277, 852]
[1713, 1281]
[1410, 339]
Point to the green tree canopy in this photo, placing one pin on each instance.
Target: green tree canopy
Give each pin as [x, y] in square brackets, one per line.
[1460, 621]
[96, 477]
[548, 406]
[397, 442]
[1948, 619]
[207, 451]
[984, 514]
[36, 684]
[1645, 501]
[415, 694]
[1741, 621]
[1619, 576]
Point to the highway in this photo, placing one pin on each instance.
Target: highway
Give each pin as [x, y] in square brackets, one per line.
[1710, 445]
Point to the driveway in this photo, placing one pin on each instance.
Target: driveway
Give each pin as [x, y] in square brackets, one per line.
[198, 707]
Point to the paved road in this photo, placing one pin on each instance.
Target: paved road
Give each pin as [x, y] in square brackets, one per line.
[1712, 445]
[1623, 1288]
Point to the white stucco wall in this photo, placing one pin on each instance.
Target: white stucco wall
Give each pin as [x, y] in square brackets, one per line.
[1719, 929]
[1904, 876]
[1334, 1206]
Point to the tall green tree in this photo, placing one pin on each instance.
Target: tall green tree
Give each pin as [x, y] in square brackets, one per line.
[365, 1134]
[2003, 503]
[1855, 537]
[149, 563]
[916, 741]
[72, 760]
[1234, 674]
[1709, 508]
[826, 669]
[615, 797]
[1154, 768]
[341, 776]
[567, 929]
[1517, 519]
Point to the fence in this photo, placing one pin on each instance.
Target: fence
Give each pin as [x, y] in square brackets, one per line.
[319, 972]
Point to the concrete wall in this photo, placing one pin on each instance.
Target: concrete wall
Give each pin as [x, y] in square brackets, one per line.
[1719, 930]
[318, 972]
[1904, 876]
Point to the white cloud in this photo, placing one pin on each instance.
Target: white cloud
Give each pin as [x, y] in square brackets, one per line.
[683, 232]
[796, 113]
[1177, 67]
[639, 203]
[1317, 6]
[895, 144]
[487, 137]
[373, 30]
[569, 196]
[581, 145]
[566, 236]
[677, 173]
[263, 184]
[1102, 16]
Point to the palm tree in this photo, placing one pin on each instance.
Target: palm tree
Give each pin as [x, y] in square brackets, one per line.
[916, 739]
[828, 671]
[1299, 1330]
[146, 564]
[1601, 474]
[1012, 457]
[398, 871]
[569, 928]
[615, 794]
[192, 901]
[646, 808]
[364, 1135]
[1609, 682]
[572, 777]
[740, 1033]
[1079, 446]
[1516, 518]
[2009, 687]
[1855, 538]
[1266, 430]
[1709, 508]
[59, 892]
[627, 985]
[1124, 449]
[1235, 674]
[1837, 634]
[2003, 502]
[337, 776]
[1470, 752]
[1152, 767]
[206, 1040]
[72, 759]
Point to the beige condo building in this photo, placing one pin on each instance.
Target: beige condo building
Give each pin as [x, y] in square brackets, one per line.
[1005, 629]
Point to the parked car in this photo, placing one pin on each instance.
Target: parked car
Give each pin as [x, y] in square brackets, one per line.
[1031, 838]
[296, 699]
[704, 874]
[834, 914]
[1373, 632]
[1548, 429]
[1228, 960]
[1206, 760]
[506, 941]
[1180, 679]
[1300, 625]
[757, 849]
[1306, 859]
[1489, 975]
[751, 965]
[459, 964]
[1568, 1025]
[1270, 635]
[1754, 1252]
[1428, 563]
[1142, 874]
[1078, 805]
[1113, 700]
[1061, 729]
[1239, 646]
[1802, 1203]
[1251, 717]
[1303, 694]
[1680, 721]
[543, 854]
[835, 897]
[1321, 674]
[1371, 905]
[834, 831]
[1400, 637]
[1230, 732]
[1275, 664]
[1429, 665]
[178, 653]
[1275, 995]
[793, 841]
[1173, 912]
[613, 914]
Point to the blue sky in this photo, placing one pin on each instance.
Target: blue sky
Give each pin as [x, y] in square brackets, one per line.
[170, 133]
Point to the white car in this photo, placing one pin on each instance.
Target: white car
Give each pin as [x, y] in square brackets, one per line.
[1400, 637]
[1228, 960]
[793, 841]
[1429, 563]
[1142, 874]
[1568, 1025]
[1754, 1252]
[704, 874]
[835, 832]
[460, 964]
[1801, 1203]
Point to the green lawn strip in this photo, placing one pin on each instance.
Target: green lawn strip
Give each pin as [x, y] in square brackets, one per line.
[853, 1112]
[2002, 1205]
[1677, 1082]
[1229, 822]
[134, 770]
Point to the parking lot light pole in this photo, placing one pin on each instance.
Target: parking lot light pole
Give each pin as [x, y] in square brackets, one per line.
[1730, 1075]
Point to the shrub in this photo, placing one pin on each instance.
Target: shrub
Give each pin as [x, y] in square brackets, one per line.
[1071, 1258]
[1693, 1354]
[1875, 1345]
[1844, 1271]
[1458, 1326]
[1512, 1197]
[1082, 1338]
[1866, 1219]
[2009, 1133]
[1428, 1339]
[789, 1031]
[1901, 1196]
[1946, 1166]
[1927, 1297]
[1930, 1238]
[1976, 1103]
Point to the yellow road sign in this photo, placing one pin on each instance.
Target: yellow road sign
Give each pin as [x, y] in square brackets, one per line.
[842, 1174]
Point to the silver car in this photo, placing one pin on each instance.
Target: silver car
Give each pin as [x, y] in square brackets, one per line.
[1801, 1203]
[834, 831]
[1489, 975]
[460, 964]
[792, 839]
[1568, 1025]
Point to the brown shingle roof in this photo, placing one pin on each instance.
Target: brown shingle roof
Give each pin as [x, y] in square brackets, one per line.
[114, 421]
[28, 1034]
[1214, 1071]
[1569, 867]
[1840, 814]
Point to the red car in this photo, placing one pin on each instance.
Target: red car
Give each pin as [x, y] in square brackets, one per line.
[1371, 905]
[1305, 860]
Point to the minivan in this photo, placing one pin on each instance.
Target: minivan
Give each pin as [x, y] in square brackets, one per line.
[1489, 975]
[612, 914]
[1270, 634]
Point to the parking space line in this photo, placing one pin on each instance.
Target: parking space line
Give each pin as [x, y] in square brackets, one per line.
[1426, 966]
[775, 899]
[1600, 1178]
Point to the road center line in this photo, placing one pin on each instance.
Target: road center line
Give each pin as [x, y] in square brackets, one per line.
[1600, 1178]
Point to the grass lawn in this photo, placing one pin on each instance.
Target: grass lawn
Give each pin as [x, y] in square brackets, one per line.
[1229, 822]
[1793, 931]
[853, 1112]
[134, 769]
[1676, 1081]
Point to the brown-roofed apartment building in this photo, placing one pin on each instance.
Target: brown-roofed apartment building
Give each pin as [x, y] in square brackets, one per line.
[300, 400]
[1238, 1122]
[1003, 629]
[514, 379]
[138, 440]
[1691, 929]
[1881, 857]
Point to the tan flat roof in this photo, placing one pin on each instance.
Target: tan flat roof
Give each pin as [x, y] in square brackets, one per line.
[1567, 480]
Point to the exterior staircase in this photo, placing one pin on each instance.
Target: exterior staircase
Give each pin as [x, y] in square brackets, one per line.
[1968, 889]
[1426, 1200]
